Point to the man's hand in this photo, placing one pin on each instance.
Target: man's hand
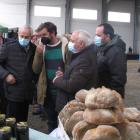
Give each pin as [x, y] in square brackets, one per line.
[40, 48]
[10, 79]
[55, 78]
[59, 73]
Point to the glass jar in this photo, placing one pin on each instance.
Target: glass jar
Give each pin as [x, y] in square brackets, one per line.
[22, 131]
[2, 120]
[5, 133]
[12, 123]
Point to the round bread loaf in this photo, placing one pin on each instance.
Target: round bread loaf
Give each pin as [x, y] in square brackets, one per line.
[128, 130]
[103, 116]
[102, 132]
[101, 98]
[80, 129]
[131, 115]
[69, 109]
[137, 125]
[81, 95]
[72, 121]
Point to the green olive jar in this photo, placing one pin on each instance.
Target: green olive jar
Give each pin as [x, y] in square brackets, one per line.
[5, 133]
[22, 131]
[2, 120]
[11, 122]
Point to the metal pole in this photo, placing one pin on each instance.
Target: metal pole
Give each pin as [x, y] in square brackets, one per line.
[103, 18]
[136, 21]
[28, 13]
[67, 17]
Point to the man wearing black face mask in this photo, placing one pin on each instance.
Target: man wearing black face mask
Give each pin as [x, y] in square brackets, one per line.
[51, 53]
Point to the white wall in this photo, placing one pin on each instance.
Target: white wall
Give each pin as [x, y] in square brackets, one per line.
[35, 21]
[13, 13]
[87, 25]
[126, 30]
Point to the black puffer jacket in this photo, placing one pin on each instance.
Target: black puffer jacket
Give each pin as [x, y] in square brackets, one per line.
[18, 62]
[80, 74]
[112, 65]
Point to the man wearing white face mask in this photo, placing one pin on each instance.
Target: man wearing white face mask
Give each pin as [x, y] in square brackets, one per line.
[81, 72]
[19, 78]
[111, 59]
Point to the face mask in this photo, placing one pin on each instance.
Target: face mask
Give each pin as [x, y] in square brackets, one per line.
[98, 41]
[23, 42]
[71, 47]
[45, 40]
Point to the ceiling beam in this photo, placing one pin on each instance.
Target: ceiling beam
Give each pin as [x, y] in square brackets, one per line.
[136, 24]
[67, 17]
[28, 13]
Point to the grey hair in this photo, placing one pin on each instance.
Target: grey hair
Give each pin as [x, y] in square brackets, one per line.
[26, 26]
[84, 36]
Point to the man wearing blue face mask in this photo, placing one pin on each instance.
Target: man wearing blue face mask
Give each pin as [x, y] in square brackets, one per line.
[81, 72]
[19, 78]
[111, 59]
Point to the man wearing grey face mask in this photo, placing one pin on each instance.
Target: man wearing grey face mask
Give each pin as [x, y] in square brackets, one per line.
[111, 59]
[19, 78]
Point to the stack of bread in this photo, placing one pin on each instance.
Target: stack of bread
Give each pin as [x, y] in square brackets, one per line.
[97, 114]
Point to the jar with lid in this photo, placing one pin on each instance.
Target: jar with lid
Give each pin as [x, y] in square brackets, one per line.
[2, 120]
[12, 123]
[22, 131]
[5, 133]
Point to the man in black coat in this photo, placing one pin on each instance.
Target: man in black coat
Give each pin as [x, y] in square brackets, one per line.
[4, 102]
[19, 79]
[111, 59]
[81, 72]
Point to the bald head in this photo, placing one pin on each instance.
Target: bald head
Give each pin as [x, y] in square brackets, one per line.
[25, 32]
[82, 36]
[80, 39]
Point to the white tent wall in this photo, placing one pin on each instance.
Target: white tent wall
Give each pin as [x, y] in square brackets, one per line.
[125, 30]
[87, 25]
[35, 21]
[13, 13]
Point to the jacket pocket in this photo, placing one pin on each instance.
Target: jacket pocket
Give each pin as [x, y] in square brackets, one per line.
[102, 59]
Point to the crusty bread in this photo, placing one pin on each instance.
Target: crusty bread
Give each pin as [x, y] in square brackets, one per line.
[102, 132]
[131, 115]
[72, 121]
[81, 128]
[101, 98]
[120, 106]
[128, 130]
[69, 109]
[103, 116]
[81, 95]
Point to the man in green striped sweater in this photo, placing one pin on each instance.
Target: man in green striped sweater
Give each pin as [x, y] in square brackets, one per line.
[51, 53]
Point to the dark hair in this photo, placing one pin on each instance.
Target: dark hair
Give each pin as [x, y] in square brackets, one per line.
[37, 30]
[108, 29]
[49, 26]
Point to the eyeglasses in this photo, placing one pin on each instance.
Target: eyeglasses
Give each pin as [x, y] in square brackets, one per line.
[36, 35]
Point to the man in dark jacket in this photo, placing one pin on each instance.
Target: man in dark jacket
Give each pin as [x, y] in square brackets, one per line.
[81, 72]
[19, 79]
[4, 102]
[111, 59]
